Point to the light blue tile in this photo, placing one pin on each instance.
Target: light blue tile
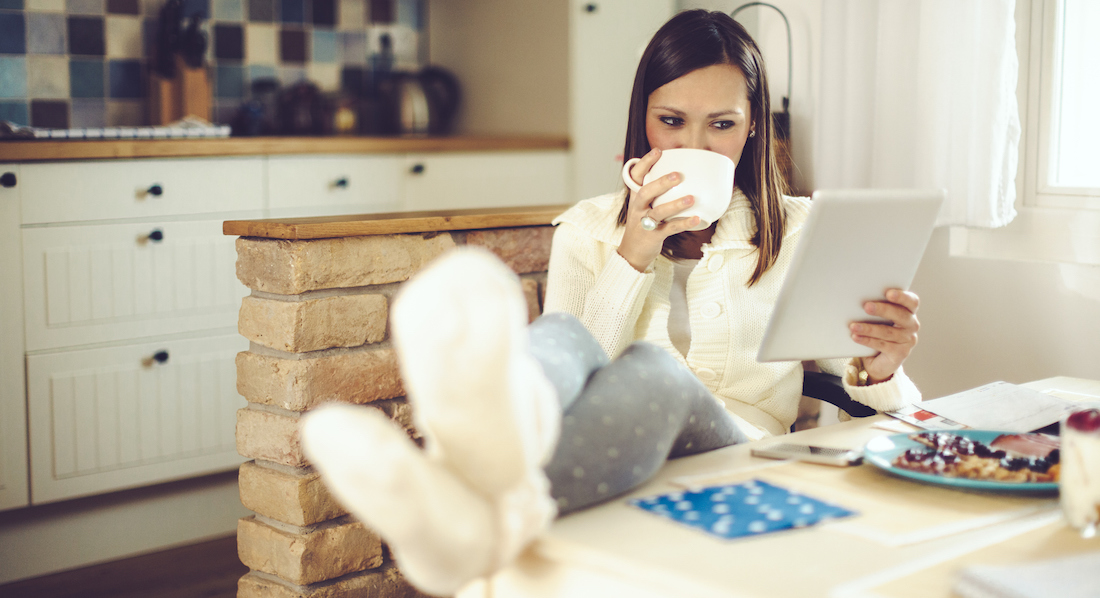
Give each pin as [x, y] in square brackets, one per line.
[261, 71]
[13, 77]
[324, 46]
[229, 10]
[229, 82]
[15, 112]
[409, 13]
[45, 33]
[86, 78]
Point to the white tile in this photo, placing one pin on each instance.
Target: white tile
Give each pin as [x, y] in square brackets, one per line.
[124, 37]
[45, 5]
[48, 77]
[326, 76]
[261, 44]
[353, 14]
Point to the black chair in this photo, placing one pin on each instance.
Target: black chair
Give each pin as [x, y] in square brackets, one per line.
[828, 388]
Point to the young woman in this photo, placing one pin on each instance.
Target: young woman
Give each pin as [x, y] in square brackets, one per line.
[705, 296]
[522, 424]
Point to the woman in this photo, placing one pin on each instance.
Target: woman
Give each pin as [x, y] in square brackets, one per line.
[701, 84]
[525, 424]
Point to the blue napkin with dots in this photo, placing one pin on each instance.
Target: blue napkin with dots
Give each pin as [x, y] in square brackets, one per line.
[747, 509]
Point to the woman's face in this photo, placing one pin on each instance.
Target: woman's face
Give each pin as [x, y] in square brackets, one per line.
[707, 108]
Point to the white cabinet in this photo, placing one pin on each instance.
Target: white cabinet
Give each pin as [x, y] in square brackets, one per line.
[13, 415]
[329, 185]
[485, 180]
[118, 417]
[607, 38]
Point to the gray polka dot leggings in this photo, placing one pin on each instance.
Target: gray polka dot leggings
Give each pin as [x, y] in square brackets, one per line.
[622, 419]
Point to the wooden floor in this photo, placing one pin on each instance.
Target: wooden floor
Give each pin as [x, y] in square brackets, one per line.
[205, 570]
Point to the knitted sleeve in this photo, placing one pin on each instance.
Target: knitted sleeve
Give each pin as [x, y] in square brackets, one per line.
[892, 394]
[590, 280]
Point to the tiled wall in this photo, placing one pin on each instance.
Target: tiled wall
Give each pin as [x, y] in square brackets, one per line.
[82, 63]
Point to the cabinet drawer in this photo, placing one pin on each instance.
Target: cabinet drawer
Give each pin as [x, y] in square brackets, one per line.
[332, 185]
[114, 418]
[115, 189]
[110, 282]
[486, 180]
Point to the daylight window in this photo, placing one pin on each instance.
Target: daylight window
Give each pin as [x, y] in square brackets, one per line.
[1074, 159]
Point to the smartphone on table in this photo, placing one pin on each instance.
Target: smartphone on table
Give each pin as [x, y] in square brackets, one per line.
[809, 453]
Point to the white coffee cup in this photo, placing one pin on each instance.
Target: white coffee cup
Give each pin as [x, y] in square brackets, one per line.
[707, 176]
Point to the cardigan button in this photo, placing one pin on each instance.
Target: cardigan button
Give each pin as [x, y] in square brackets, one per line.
[706, 374]
[715, 262]
[711, 311]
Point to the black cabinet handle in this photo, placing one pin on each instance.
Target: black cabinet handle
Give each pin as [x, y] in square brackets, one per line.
[7, 180]
[157, 235]
[160, 356]
[591, 7]
[417, 169]
[341, 183]
[155, 191]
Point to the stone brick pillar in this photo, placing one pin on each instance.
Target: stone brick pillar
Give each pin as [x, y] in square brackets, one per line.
[317, 322]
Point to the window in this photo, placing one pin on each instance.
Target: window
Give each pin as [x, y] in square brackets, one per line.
[1058, 177]
[1062, 168]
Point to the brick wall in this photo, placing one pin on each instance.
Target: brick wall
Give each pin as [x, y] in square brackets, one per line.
[317, 321]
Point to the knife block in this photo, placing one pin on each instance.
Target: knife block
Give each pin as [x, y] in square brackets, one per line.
[186, 94]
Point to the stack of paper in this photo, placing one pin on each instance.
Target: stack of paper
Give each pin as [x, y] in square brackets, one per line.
[996, 406]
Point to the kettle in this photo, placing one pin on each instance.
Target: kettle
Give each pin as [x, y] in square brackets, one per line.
[423, 103]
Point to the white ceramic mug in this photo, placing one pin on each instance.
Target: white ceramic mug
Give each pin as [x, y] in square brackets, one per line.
[707, 176]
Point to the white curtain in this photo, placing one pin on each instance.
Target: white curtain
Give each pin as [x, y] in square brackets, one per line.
[921, 93]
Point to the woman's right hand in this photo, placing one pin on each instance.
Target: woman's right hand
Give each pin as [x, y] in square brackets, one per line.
[639, 246]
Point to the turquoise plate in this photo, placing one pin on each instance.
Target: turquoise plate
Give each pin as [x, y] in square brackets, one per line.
[881, 452]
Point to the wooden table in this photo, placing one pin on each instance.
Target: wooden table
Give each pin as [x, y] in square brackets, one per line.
[909, 539]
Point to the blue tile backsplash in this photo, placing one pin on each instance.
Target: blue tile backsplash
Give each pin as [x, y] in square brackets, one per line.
[88, 66]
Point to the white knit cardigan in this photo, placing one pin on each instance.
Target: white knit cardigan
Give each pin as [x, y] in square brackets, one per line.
[618, 305]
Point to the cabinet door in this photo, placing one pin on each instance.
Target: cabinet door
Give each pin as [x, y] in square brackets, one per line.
[147, 188]
[607, 38]
[333, 185]
[486, 180]
[13, 415]
[112, 282]
[120, 417]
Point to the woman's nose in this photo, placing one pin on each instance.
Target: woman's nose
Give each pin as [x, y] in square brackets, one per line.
[696, 139]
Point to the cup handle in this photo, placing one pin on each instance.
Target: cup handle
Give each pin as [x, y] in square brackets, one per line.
[626, 174]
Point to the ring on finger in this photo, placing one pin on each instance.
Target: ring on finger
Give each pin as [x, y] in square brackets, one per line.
[648, 223]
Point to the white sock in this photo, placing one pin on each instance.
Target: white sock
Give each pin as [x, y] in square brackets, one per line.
[439, 530]
[479, 397]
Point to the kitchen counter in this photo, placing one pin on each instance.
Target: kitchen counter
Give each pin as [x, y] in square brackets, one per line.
[34, 150]
[329, 227]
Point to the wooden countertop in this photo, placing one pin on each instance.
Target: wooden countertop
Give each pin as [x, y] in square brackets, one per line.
[41, 150]
[328, 227]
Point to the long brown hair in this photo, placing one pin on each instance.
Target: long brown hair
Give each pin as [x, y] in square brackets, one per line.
[691, 40]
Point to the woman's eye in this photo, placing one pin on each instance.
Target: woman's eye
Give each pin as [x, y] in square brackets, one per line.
[672, 121]
[724, 124]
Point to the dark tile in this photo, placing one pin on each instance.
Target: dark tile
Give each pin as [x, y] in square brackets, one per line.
[125, 78]
[86, 36]
[324, 12]
[12, 5]
[45, 33]
[353, 79]
[382, 12]
[262, 11]
[292, 11]
[292, 45]
[86, 78]
[15, 112]
[196, 7]
[229, 82]
[123, 7]
[13, 33]
[50, 114]
[228, 42]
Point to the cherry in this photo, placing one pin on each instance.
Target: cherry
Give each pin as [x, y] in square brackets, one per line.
[1087, 420]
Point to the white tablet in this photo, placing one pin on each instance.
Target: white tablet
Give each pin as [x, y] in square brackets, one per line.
[855, 245]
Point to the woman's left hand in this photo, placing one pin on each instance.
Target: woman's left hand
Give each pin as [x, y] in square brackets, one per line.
[893, 342]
